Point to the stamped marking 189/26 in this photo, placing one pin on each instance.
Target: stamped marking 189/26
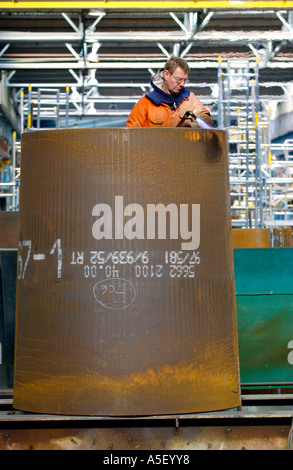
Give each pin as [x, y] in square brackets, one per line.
[115, 293]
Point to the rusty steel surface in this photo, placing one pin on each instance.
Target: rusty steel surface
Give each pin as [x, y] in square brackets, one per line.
[226, 436]
[9, 234]
[262, 238]
[120, 311]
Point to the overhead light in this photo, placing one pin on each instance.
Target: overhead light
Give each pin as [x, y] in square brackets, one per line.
[91, 79]
[74, 96]
[91, 108]
[96, 12]
[215, 91]
[93, 56]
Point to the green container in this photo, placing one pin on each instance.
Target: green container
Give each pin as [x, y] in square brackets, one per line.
[264, 298]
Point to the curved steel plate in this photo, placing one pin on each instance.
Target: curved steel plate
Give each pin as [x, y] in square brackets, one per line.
[123, 310]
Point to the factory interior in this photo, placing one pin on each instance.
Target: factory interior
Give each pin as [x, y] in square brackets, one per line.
[199, 353]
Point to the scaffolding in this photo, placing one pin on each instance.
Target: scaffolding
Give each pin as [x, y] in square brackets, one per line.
[261, 173]
[279, 184]
[238, 114]
[45, 106]
[10, 177]
[260, 182]
[42, 108]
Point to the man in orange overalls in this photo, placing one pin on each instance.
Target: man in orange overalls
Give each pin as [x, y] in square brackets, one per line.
[169, 100]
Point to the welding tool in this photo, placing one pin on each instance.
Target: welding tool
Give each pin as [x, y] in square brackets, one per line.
[186, 116]
[201, 123]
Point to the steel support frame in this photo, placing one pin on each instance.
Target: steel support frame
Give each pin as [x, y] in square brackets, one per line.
[146, 5]
[222, 430]
[189, 31]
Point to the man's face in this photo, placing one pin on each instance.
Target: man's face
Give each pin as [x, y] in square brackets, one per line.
[173, 83]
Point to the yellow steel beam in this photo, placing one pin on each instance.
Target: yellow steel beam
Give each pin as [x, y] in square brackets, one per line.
[148, 5]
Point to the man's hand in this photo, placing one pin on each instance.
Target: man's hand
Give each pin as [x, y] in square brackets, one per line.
[201, 109]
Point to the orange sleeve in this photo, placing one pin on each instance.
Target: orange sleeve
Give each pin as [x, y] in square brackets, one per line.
[198, 107]
[138, 115]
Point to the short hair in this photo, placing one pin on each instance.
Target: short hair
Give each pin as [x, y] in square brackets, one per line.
[172, 64]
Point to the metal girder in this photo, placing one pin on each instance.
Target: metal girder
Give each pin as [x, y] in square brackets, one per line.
[201, 64]
[198, 34]
[100, 65]
[244, 433]
[148, 5]
[217, 37]
[191, 32]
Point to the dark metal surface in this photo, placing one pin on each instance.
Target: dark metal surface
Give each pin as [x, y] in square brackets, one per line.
[230, 430]
[9, 230]
[221, 437]
[8, 268]
[263, 423]
[125, 326]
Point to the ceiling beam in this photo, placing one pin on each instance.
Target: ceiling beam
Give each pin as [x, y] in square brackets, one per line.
[147, 5]
[214, 36]
[198, 64]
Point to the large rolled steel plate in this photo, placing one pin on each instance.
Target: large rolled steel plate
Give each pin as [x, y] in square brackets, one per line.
[126, 297]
